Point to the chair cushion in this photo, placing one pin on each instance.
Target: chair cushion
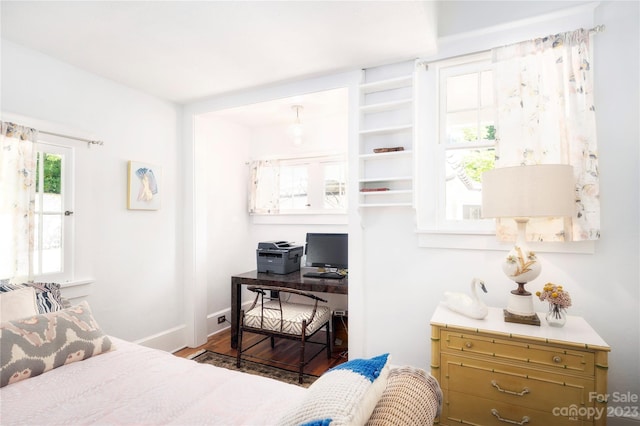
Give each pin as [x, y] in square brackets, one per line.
[292, 316]
[344, 395]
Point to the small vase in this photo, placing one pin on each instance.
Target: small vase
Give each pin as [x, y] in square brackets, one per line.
[557, 316]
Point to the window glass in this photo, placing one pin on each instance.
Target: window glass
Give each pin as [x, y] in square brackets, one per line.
[293, 187]
[335, 186]
[52, 234]
[463, 189]
[299, 185]
[486, 89]
[462, 92]
[469, 119]
[49, 213]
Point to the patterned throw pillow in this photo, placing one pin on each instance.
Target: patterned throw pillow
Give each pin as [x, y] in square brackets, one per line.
[344, 395]
[34, 345]
[48, 296]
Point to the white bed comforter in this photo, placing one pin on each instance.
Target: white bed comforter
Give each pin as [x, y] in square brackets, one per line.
[137, 385]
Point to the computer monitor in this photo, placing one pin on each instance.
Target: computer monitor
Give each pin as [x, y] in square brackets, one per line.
[327, 250]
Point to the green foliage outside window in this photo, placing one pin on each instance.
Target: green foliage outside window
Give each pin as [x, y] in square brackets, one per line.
[52, 168]
[481, 160]
[477, 162]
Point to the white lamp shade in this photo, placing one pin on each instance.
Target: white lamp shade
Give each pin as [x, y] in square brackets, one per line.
[544, 190]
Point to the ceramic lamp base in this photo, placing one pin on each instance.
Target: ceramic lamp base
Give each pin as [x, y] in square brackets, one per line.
[520, 304]
[520, 309]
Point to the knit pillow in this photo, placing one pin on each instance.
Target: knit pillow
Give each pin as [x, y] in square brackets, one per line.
[344, 395]
[34, 345]
[412, 397]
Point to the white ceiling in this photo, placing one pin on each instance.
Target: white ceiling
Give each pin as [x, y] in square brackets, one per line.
[315, 106]
[189, 50]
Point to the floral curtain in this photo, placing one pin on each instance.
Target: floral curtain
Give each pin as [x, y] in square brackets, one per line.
[17, 200]
[546, 115]
[264, 190]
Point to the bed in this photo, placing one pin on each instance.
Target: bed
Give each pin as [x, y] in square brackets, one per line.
[92, 378]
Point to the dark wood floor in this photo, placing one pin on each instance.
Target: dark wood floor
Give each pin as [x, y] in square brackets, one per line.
[285, 350]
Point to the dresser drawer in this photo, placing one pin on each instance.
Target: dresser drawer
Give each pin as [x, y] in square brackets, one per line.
[514, 350]
[463, 408]
[538, 390]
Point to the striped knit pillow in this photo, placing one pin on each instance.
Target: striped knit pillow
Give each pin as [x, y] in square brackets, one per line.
[344, 395]
[48, 297]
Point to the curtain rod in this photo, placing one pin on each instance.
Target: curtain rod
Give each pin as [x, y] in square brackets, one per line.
[596, 29]
[88, 141]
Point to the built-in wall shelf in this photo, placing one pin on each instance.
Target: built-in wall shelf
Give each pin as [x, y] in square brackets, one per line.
[387, 130]
[386, 155]
[387, 179]
[405, 204]
[386, 193]
[387, 84]
[386, 106]
[386, 122]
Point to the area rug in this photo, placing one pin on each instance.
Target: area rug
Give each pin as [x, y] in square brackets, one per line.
[229, 362]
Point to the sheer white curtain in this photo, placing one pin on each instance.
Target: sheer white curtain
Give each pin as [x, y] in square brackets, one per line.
[546, 115]
[264, 187]
[17, 200]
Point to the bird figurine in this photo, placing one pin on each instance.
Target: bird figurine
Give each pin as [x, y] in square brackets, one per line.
[471, 307]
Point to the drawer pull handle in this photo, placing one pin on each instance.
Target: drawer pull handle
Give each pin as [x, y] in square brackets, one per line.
[468, 345]
[524, 420]
[523, 393]
[557, 359]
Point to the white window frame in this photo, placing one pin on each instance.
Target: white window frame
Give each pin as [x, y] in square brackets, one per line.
[315, 212]
[67, 190]
[431, 158]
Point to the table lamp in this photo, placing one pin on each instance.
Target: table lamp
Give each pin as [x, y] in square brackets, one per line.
[520, 193]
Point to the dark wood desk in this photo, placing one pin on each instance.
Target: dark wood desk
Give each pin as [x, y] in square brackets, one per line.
[292, 280]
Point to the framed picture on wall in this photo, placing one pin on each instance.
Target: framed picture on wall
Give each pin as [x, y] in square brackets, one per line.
[143, 186]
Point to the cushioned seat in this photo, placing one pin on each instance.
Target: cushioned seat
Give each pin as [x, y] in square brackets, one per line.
[293, 315]
[273, 317]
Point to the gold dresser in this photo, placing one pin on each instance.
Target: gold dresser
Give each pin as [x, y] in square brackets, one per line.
[496, 373]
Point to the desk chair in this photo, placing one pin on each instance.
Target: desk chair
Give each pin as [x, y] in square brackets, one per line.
[273, 317]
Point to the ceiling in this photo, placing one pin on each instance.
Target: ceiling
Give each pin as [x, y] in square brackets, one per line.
[185, 51]
[281, 112]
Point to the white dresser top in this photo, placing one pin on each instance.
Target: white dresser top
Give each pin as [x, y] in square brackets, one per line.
[576, 331]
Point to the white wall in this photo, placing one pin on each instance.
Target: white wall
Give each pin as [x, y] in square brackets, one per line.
[228, 226]
[407, 282]
[133, 256]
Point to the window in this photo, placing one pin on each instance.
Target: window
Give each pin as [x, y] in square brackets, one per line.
[294, 181]
[53, 243]
[467, 133]
[459, 142]
[335, 185]
[301, 185]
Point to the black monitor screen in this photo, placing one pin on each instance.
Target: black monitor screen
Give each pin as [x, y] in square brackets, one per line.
[327, 250]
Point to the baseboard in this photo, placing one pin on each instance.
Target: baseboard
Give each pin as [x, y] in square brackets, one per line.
[212, 321]
[174, 339]
[169, 340]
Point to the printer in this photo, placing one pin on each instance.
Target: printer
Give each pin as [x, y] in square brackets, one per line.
[278, 257]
